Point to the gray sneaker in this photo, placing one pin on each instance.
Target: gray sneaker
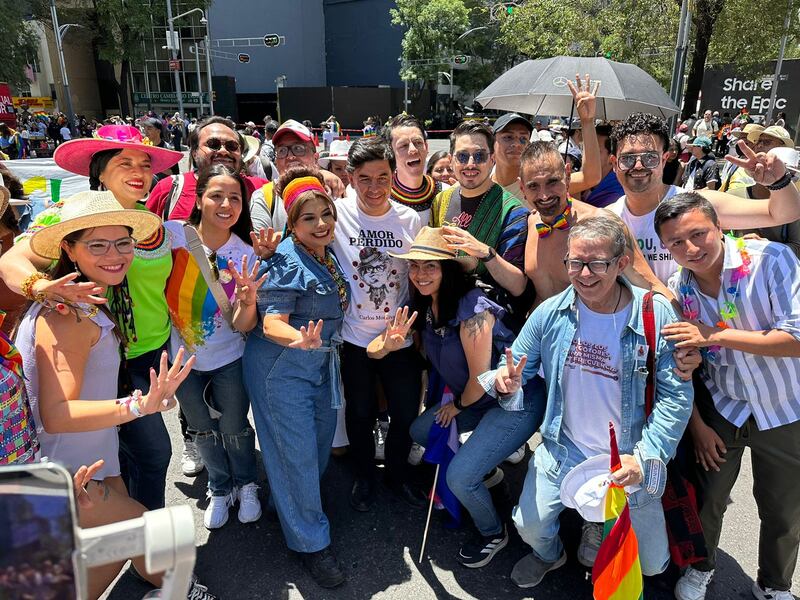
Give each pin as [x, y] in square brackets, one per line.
[530, 570]
[591, 538]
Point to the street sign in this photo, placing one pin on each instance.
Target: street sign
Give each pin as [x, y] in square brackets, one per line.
[244, 58]
[174, 64]
[460, 59]
[168, 98]
[271, 40]
[173, 41]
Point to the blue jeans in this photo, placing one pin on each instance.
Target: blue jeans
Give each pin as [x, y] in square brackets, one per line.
[290, 391]
[215, 404]
[144, 445]
[536, 516]
[496, 433]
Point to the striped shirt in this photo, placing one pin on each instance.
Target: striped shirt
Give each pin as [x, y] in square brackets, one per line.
[741, 383]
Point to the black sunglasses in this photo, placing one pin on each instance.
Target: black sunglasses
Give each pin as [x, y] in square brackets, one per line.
[215, 144]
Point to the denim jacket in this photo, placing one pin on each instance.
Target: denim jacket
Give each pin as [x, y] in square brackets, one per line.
[546, 339]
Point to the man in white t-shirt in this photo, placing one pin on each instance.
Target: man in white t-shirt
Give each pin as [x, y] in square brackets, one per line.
[640, 151]
[369, 226]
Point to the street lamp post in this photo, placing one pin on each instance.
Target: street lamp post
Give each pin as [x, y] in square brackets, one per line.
[64, 80]
[178, 91]
[206, 43]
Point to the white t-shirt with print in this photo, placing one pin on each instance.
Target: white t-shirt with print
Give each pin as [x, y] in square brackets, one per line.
[642, 229]
[212, 340]
[591, 381]
[378, 282]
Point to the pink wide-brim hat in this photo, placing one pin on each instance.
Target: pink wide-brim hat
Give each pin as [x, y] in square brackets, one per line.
[74, 156]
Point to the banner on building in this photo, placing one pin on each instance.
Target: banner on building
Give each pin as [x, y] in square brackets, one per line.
[170, 98]
[7, 113]
[34, 103]
[727, 90]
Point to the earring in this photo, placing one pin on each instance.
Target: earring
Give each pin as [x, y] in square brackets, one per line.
[76, 268]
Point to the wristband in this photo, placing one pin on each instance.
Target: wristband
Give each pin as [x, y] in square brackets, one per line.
[781, 183]
[132, 403]
[457, 402]
[27, 286]
[492, 254]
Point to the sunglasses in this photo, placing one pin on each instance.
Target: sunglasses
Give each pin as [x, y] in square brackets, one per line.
[649, 160]
[598, 267]
[478, 157]
[100, 247]
[296, 149]
[215, 144]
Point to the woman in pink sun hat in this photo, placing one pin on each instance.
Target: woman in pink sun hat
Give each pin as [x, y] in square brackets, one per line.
[121, 162]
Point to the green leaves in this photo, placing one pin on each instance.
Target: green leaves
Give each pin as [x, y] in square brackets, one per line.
[20, 43]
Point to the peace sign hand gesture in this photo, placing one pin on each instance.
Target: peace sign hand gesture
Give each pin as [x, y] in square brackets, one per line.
[397, 329]
[584, 94]
[310, 337]
[763, 167]
[509, 377]
[161, 396]
[246, 283]
[265, 242]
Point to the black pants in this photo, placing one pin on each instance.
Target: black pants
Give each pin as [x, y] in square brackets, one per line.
[400, 375]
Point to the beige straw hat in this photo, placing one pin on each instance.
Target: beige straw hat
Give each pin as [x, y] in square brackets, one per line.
[92, 209]
[5, 197]
[428, 245]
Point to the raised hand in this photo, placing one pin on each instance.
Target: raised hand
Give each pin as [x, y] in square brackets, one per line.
[509, 377]
[463, 240]
[246, 283]
[161, 396]
[265, 242]
[65, 288]
[83, 476]
[585, 96]
[763, 167]
[333, 185]
[397, 329]
[310, 337]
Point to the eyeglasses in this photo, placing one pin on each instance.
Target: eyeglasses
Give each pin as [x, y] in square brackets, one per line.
[649, 160]
[215, 144]
[296, 149]
[598, 267]
[478, 157]
[100, 247]
[509, 140]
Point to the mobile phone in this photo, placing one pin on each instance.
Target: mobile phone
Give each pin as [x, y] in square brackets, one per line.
[38, 540]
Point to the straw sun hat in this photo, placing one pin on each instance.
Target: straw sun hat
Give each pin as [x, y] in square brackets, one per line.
[428, 245]
[92, 209]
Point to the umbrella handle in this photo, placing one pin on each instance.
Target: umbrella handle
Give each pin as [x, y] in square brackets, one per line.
[430, 509]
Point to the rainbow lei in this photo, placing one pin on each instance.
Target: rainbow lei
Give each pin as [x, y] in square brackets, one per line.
[727, 310]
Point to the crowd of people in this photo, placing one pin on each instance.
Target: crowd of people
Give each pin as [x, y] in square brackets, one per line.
[530, 278]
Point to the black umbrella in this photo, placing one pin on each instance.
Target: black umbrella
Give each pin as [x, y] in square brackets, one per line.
[539, 87]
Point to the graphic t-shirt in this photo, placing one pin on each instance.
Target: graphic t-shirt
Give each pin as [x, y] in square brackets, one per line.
[591, 382]
[197, 321]
[656, 254]
[379, 282]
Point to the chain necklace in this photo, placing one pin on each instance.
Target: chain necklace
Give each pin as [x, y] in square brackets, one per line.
[330, 265]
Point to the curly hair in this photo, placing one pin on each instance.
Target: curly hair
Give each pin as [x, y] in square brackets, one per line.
[640, 124]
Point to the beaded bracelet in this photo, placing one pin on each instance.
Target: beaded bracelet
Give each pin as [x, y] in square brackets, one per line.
[780, 183]
[132, 403]
[27, 286]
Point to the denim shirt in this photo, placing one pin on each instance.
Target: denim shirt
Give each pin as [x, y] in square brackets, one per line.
[545, 340]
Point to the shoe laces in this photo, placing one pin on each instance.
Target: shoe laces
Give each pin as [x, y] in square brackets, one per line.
[593, 534]
[199, 592]
[697, 578]
[774, 594]
[190, 452]
[248, 493]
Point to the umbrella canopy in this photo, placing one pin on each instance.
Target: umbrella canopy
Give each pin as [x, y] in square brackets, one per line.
[539, 87]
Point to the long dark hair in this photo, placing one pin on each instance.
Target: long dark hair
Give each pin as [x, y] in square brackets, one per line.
[244, 224]
[97, 165]
[455, 284]
[119, 308]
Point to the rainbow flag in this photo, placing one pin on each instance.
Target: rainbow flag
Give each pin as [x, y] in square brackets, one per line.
[617, 574]
[192, 306]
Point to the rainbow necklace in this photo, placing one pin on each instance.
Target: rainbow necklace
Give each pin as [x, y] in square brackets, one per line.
[727, 309]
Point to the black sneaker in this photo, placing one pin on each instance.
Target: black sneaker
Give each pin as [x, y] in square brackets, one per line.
[324, 568]
[362, 496]
[409, 493]
[479, 551]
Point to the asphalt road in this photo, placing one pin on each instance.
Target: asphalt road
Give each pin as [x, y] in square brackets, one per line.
[379, 550]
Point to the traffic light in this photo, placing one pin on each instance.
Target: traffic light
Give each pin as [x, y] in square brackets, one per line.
[271, 40]
[608, 55]
[510, 10]
[460, 59]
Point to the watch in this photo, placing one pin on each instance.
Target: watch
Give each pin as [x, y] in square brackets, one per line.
[490, 256]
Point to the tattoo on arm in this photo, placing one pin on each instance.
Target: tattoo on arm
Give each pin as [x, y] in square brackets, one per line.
[474, 325]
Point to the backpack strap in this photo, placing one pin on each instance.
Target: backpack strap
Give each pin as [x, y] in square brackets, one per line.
[173, 196]
[649, 319]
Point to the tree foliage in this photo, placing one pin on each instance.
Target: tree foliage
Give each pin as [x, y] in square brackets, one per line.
[20, 43]
[431, 30]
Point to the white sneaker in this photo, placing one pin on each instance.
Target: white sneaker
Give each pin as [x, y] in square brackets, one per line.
[693, 583]
[415, 456]
[516, 456]
[249, 506]
[380, 431]
[493, 477]
[216, 514]
[770, 594]
[591, 537]
[191, 463]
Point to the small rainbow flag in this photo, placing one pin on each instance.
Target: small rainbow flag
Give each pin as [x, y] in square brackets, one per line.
[194, 311]
[617, 573]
